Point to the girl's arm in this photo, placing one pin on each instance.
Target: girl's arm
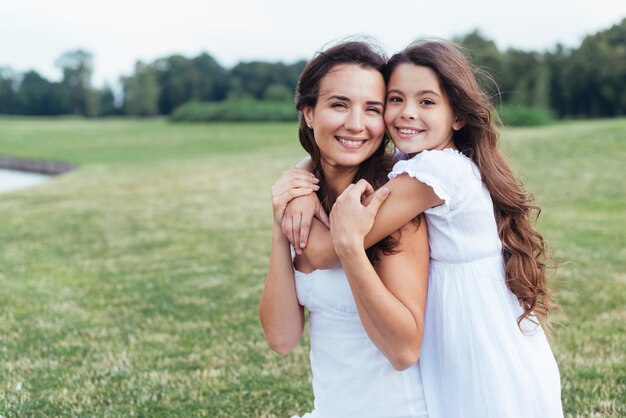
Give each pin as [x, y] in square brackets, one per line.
[391, 297]
[408, 198]
[281, 315]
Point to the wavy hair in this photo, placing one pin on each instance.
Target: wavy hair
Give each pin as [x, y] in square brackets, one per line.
[523, 247]
[376, 167]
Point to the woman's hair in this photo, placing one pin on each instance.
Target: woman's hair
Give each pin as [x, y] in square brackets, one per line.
[376, 167]
[523, 249]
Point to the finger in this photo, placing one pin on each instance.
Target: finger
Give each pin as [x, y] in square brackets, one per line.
[297, 229]
[301, 182]
[368, 189]
[345, 192]
[305, 228]
[294, 241]
[290, 194]
[322, 216]
[357, 190]
[379, 197]
[301, 173]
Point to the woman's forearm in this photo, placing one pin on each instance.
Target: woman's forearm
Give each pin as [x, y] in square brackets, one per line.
[281, 315]
[389, 323]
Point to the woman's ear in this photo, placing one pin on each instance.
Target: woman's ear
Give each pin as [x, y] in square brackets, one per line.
[308, 116]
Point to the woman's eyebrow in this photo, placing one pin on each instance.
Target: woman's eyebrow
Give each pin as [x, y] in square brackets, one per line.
[347, 99]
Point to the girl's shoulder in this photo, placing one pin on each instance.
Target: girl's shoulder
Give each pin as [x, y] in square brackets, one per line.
[453, 176]
[447, 162]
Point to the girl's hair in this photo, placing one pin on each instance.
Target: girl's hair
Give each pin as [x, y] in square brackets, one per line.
[523, 247]
[376, 167]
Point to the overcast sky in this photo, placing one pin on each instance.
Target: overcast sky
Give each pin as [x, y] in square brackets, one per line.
[34, 33]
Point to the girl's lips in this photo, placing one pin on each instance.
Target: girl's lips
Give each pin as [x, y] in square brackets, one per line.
[408, 132]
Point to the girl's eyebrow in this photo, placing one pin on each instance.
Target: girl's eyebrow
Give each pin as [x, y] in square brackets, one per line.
[347, 99]
[419, 93]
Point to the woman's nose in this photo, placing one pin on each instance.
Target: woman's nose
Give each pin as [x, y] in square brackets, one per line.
[354, 121]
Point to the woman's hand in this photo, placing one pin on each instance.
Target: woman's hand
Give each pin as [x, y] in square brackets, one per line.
[293, 183]
[350, 220]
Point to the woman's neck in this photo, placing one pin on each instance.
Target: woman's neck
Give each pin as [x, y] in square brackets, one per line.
[337, 179]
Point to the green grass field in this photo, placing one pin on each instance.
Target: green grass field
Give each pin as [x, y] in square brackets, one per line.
[129, 287]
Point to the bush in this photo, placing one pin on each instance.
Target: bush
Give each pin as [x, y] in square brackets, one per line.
[235, 111]
[518, 115]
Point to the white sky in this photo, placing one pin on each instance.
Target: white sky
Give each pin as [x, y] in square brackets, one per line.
[34, 33]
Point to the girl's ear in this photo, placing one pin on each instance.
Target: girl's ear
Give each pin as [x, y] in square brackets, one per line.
[308, 115]
[458, 123]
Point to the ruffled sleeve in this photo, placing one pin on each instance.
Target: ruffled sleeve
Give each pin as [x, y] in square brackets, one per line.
[446, 171]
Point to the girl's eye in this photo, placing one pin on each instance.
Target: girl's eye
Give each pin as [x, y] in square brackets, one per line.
[394, 99]
[426, 102]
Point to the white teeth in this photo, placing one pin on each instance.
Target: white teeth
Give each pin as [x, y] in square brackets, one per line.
[408, 131]
[349, 141]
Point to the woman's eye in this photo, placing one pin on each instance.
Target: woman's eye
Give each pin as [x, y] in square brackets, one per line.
[375, 110]
[339, 105]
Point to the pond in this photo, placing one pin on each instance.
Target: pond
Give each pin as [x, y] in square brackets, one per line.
[11, 180]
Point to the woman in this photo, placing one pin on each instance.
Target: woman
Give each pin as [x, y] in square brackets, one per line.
[485, 352]
[366, 319]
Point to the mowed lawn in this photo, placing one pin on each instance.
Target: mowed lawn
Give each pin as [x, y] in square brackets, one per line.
[129, 287]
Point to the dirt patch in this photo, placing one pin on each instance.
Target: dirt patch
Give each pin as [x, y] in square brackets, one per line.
[51, 168]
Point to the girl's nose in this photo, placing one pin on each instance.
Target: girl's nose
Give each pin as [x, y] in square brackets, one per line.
[409, 112]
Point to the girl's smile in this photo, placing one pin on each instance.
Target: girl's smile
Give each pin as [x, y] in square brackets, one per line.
[418, 114]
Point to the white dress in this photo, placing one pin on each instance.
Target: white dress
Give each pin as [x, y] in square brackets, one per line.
[475, 360]
[351, 376]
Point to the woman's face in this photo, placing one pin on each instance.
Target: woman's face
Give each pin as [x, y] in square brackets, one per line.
[347, 120]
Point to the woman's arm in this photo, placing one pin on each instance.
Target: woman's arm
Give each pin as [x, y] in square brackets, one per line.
[408, 198]
[281, 315]
[391, 298]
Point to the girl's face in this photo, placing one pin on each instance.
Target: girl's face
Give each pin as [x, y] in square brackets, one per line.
[418, 115]
[347, 120]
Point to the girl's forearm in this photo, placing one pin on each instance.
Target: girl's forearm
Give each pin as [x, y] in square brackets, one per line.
[407, 199]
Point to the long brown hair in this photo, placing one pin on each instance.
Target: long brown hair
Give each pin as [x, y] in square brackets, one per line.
[523, 247]
[376, 167]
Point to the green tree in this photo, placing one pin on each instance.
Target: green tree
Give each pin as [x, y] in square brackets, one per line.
[107, 102]
[278, 93]
[141, 91]
[598, 71]
[181, 80]
[255, 78]
[7, 91]
[488, 59]
[77, 67]
[37, 96]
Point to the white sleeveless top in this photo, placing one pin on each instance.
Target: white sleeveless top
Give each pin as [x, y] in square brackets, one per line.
[475, 360]
[351, 376]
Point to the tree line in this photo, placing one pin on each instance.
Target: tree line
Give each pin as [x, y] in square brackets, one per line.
[587, 81]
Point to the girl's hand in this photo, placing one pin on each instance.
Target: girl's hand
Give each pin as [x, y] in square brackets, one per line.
[350, 220]
[297, 219]
[293, 183]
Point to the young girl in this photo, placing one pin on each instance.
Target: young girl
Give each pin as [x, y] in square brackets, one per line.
[366, 320]
[484, 352]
